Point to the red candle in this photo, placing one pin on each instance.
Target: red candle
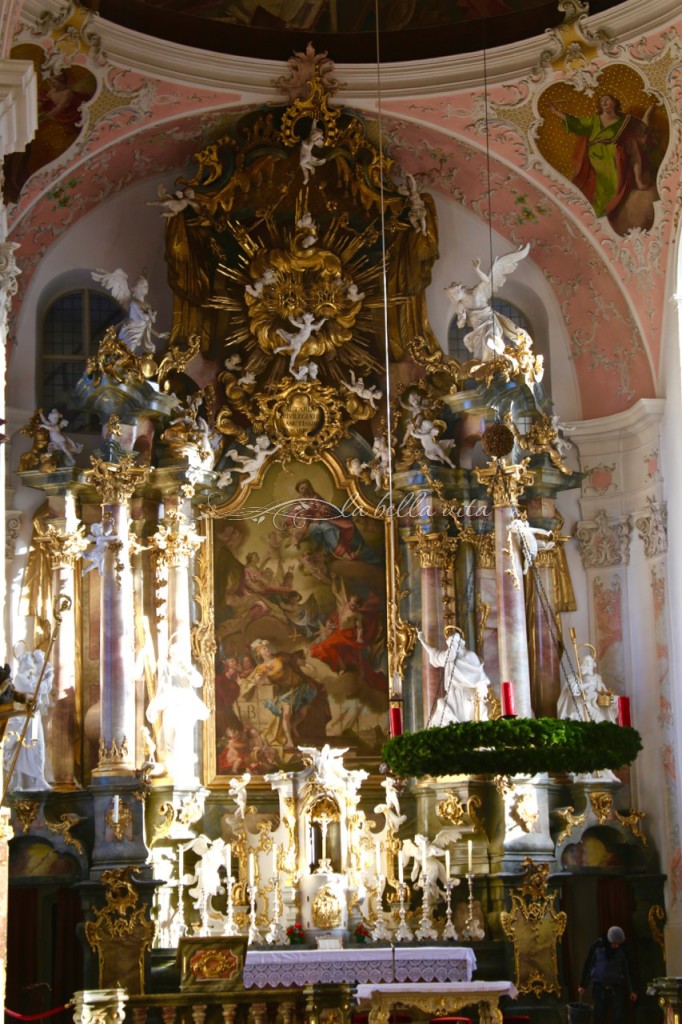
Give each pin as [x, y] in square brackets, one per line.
[508, 700]
[395, 721]
[624, 711]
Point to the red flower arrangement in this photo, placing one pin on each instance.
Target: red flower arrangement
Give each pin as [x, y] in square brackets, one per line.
[295, 933]
[361, 933]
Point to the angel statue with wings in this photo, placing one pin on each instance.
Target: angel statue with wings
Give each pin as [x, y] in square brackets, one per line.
[490, 330]
[137, 330]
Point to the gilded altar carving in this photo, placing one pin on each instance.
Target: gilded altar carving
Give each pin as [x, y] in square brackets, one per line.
[114, 361]
[570, 820]
[602, 805]
[63, 828]
[534, 926]
[656, 918]
[402, 635]
[121, 924]
[505, 484]
[38, 458]
[542, 438]
[116, 481]
[62, 549]
[27, 812]
[326, 909]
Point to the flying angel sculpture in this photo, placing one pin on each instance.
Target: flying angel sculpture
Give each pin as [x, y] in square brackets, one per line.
[490, 330]
[137, 330]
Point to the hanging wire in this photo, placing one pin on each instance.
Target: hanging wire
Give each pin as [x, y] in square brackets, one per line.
[392, 558]
[488, 172]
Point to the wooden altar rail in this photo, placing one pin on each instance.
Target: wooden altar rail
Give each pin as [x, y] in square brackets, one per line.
[316, 1004]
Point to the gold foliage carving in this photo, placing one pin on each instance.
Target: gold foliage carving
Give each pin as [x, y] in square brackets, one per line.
[122, 920]
[657, 917]
[27, 812]
[63, 828]
[571, 820]
[602, 804]
[534, 926]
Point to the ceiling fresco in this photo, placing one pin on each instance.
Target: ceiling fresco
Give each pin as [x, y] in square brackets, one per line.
[608, 279]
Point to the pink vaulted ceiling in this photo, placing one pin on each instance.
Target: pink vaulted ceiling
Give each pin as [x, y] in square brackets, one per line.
[613, 327]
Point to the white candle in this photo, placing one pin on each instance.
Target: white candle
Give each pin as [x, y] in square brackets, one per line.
[181, 864]
[252, 869]
[447, 865]
[228, 859]
[114, 816]
[470, 854]
[275, 859]
[377, 856]
[401, 867]
[311, 845]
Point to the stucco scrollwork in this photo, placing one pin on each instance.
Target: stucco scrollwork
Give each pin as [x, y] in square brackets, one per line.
[604, 540]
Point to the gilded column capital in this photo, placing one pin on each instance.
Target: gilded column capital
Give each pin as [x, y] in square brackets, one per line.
[505, 484]
[116, 481]
[62, 549]
[434, 550]
[172, 547]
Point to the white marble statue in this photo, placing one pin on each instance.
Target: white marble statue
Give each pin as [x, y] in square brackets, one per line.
[101, 535]
[417, 214]
[250, 465]
[391, 807]
[367, 392]
[54, 424]
[137, 331]
[327, 763]
[427, 867]
[256, 290]
[308, 160]
[237, 790]
[416, 407]
[572, 704]
[562, 444]
[174, 711]
[490, 330]
[206, 881]
[308, 371]
[465, 682]
[426, 433]
[174, 203]
[295, 340]
[531, 540]
[29, 771]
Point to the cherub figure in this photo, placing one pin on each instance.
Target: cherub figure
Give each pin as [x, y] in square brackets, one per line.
[427, 868]
[308, 371]
[327, 763]
[295, 341]
[308, 160]
[237, 790]
[308, 230]
[415, 405]
[426, 433]
[174, 203]
[59, 442]
[531, 540]
[250, 465]
[137, 330]
[353, 295]
[490, 330]
[368, 393]
[417, 214]
[391, 807]
[101, 535]
[256, 289]
[562, 444]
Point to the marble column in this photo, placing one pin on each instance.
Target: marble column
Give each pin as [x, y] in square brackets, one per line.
[436, 552]
[545, 681]
[505, 484]
[115, 482]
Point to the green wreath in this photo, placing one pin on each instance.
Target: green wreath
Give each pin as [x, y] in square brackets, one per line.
[512, 746]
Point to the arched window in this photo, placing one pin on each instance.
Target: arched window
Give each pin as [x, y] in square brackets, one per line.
[456, 346]
[72, 328]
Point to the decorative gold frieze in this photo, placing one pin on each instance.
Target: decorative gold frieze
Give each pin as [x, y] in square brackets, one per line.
[571, 820]
[602, 805]
[63, 828]
[116, 481]
[118, 818]
[27, 812]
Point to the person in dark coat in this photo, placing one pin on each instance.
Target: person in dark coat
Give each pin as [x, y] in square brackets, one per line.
[608, 968]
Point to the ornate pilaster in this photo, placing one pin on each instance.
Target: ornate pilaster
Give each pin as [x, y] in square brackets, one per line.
[652, 527]
[505, 484]
[115, 482]
[63, 548]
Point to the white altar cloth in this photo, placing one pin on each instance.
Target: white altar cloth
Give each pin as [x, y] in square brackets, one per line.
[288, 967]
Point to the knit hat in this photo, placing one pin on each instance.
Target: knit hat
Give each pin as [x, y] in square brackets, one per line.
[615, 934]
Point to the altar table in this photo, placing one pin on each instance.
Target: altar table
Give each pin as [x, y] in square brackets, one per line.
[437, 999]
[270, 968]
